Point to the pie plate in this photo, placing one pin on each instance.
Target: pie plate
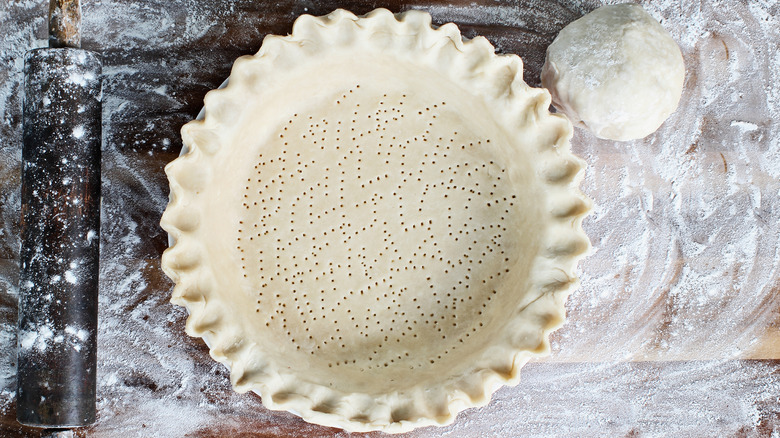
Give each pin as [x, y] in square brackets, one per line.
[376, 223]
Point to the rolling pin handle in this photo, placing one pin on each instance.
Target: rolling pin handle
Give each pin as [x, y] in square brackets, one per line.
[64, 24]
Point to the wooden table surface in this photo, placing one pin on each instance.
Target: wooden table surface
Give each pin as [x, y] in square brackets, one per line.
[674, 330]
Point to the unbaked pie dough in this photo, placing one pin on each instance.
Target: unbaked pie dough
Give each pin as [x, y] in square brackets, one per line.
[616, 71]
[377, 222]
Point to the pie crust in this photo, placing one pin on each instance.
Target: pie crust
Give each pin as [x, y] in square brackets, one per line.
[377, 222]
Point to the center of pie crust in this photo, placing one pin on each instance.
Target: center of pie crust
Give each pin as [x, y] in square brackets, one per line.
[376, 232]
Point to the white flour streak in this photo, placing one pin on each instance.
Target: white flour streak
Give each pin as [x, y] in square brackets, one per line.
[78, 132]
[38, 339]
[744, 126]
[70, 278]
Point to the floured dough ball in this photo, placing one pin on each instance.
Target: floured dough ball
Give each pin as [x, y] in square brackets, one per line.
[615, 71]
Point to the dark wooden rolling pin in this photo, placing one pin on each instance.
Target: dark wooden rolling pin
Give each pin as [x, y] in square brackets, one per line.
[58, 299]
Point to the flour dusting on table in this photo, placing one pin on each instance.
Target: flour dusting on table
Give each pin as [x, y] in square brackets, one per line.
[686, 242]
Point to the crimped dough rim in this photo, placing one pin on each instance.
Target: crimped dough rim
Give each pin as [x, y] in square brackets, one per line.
[520, 109]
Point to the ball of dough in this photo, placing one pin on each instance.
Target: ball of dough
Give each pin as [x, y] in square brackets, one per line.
[615, 71]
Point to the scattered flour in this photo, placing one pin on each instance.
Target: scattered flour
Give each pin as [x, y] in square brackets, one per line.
[70, 278]
[78, 132]
[39, 339]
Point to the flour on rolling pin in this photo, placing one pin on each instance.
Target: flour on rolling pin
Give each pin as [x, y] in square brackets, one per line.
[60, 229]
[57, 331]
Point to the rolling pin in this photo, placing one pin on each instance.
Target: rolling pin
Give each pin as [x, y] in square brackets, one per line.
[58, 290]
